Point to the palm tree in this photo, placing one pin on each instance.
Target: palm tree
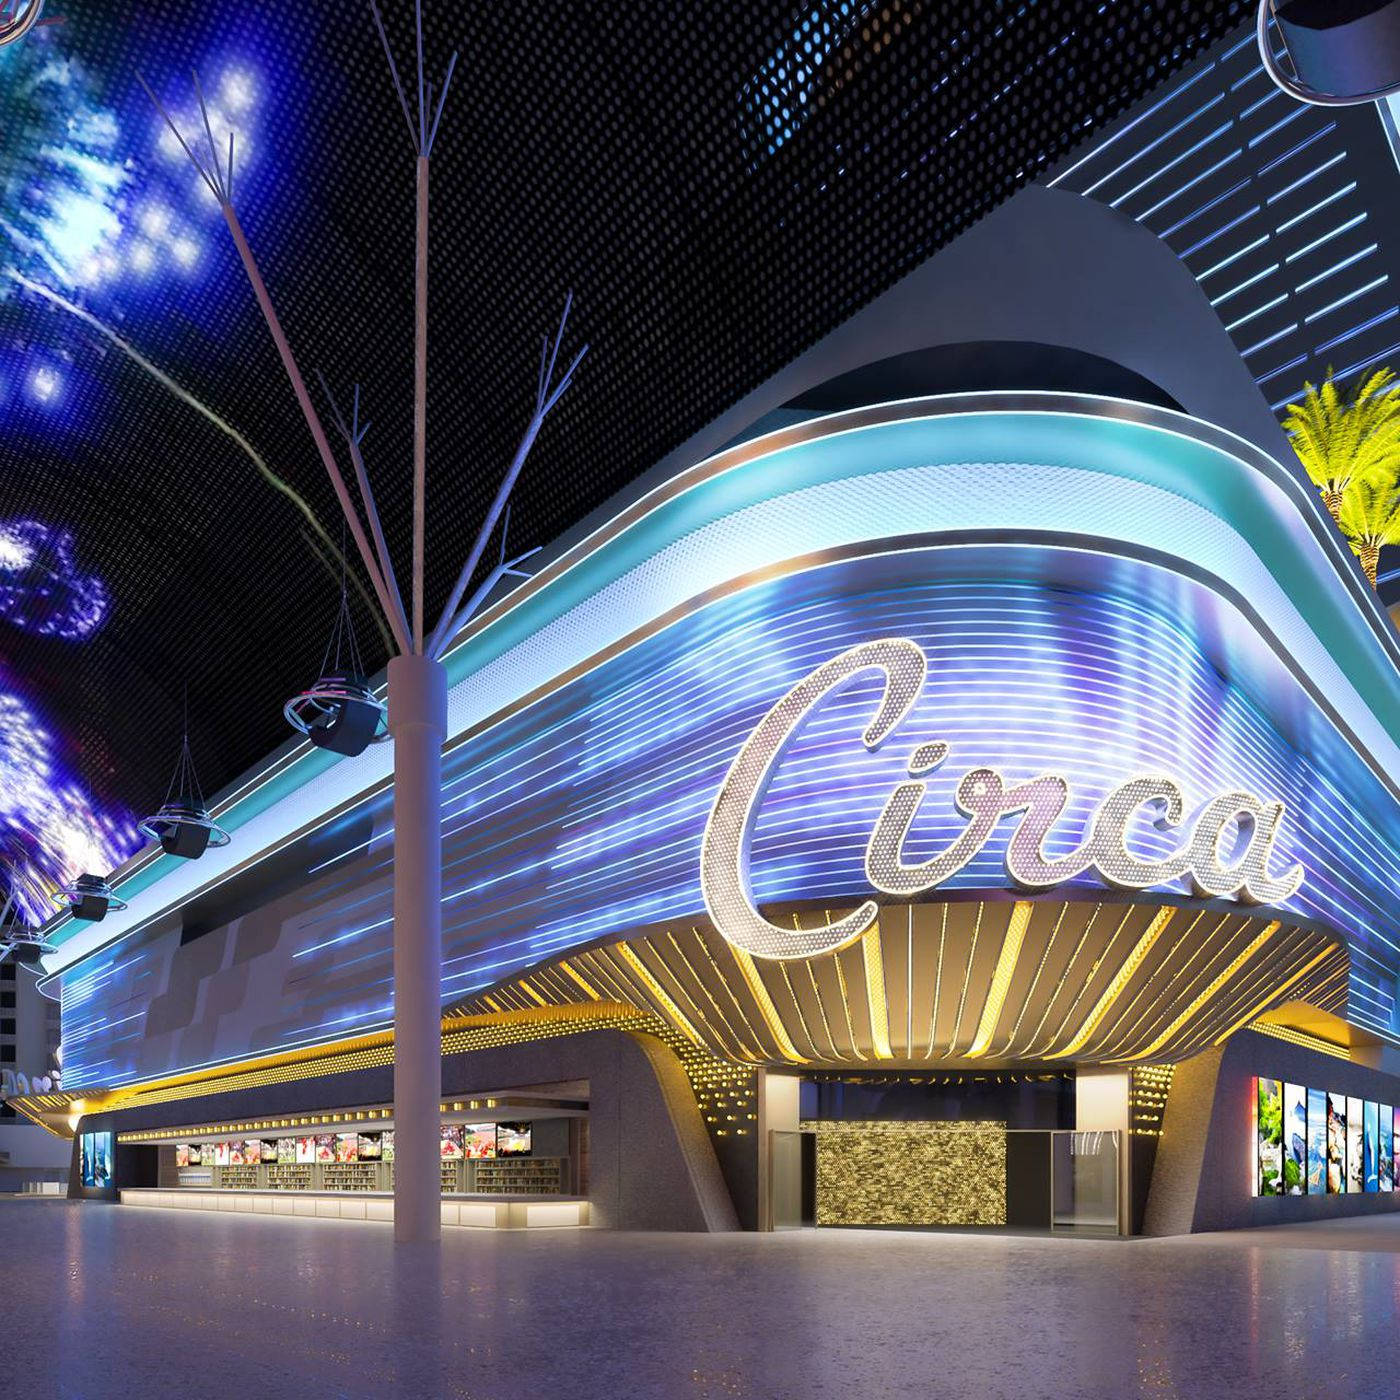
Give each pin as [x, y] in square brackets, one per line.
[1339, 443]
[1370, 518]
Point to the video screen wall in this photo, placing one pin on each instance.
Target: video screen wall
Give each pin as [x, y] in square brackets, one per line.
[320, 1147]
[1312, 1142]
[95, 1159]
[458, 1142]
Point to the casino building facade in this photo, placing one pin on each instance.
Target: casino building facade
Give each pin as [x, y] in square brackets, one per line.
[959, 787]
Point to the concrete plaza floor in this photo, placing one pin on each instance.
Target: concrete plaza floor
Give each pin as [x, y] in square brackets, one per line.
[114, 1301]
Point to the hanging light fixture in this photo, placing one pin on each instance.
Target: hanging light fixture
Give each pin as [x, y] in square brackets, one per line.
[17, 939]
[1336, 53]
[340, 712]
[183, 825]
[90, 898]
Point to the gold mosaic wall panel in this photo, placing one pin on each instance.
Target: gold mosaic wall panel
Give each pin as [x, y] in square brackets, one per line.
[911, 1174]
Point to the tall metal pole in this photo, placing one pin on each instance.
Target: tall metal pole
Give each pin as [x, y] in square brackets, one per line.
[420, 396]
[417, 679]
[418, 722]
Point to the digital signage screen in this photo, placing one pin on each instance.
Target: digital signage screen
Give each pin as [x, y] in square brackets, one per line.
[269, 1150]
[325, 1147]
[1385, 1144]
[1336, 1144]
[182, 1154]
[479, 1140]
[387, 1147]
[451, 1142]
[1295, 1138]
[306, 1149]
[347, 1147]
[287, 1150]
[95, 1159]
[199, 1154]
[1370, 1178]
[223, 1154]
[1268, 1122]
[1317, 1142]
[513, 1139]
[1356, 1166]
[371, 1147]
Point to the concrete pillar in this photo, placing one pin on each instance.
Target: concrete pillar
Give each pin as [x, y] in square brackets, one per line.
[418, 722]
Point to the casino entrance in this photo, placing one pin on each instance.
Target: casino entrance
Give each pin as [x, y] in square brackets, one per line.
[994, 1150]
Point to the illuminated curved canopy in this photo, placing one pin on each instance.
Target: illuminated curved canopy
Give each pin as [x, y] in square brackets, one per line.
[1100, 588]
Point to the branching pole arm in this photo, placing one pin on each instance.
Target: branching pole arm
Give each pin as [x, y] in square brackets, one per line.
[354, 435]
[422, 134]
[220, 183]
[547, 394]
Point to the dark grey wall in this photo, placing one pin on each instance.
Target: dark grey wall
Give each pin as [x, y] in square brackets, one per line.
[651, 1163]
[1203, 1175]
[1048, 267]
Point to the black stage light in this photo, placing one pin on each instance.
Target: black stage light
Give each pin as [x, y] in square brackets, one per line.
[183, 825]
[90, 897]
[1336, 52]
[339, 713]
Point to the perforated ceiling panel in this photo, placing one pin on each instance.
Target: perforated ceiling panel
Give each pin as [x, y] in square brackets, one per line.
[719, 184]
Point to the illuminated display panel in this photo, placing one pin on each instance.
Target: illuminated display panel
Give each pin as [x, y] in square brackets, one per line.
[598, 793]
[1317, 1142]
[1269, 1134]
[1295, 1140]
[1385, 1147]
[1370, 1178]
[1356, 1161]
[101, 213]
[1336, 1144]
[1313, 1142]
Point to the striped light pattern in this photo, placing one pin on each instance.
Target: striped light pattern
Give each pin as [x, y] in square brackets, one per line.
[578, 819]
[974, 983]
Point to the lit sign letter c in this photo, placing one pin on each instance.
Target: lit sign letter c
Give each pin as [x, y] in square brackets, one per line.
[724, 851]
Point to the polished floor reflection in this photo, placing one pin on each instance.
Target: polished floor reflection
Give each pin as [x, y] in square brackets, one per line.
[112, 1301]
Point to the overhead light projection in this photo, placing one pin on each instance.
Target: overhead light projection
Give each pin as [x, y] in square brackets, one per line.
[44, 384]
[41, 588]
[50, 828]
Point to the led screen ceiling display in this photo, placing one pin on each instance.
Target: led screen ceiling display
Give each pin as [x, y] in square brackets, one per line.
[134, 352]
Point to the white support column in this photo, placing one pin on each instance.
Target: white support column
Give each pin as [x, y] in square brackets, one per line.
[418, 722]
[777, 1113]
[1103, 1104]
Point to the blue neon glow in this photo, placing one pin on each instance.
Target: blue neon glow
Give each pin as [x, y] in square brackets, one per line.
[42, 589]
[582, 817]
[576, 817]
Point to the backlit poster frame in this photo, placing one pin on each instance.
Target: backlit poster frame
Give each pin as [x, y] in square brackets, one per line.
[1336, 1144]
[1385, 1139]
[1317, 1142]
[1295, 1139]
[1369, 1171]
[1356, 1162]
